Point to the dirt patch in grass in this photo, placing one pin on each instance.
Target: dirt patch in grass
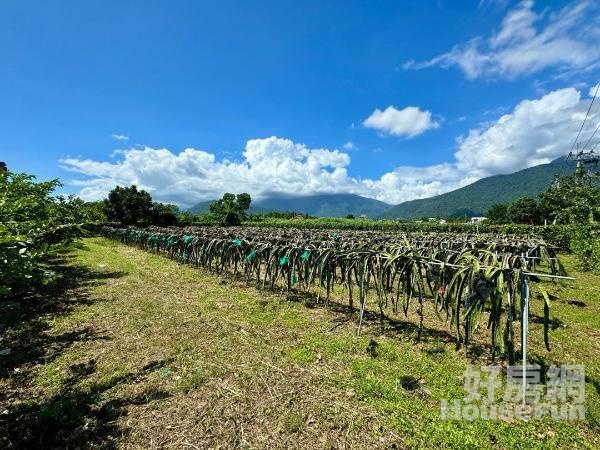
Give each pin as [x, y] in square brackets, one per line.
[133, 350]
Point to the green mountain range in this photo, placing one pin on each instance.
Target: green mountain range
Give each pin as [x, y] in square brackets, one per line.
[472, 200]
[475, 199]
[321, 205]
[327, 205]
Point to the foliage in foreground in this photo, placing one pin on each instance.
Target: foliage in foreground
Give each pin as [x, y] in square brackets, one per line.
[33, 226]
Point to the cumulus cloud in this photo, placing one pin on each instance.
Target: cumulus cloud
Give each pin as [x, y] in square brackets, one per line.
[120, 137]
[349, 145]
[269, 165]
[409, 122]
[534, 132]
[528, 42]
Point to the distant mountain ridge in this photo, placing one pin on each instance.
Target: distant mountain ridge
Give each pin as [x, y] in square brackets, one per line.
[476, 198]
[472, 200]
[320, 205]
[327, 205]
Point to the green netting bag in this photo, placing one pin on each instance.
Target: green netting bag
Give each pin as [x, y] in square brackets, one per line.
[251, 256]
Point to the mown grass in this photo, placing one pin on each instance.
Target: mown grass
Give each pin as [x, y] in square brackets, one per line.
[151, 353]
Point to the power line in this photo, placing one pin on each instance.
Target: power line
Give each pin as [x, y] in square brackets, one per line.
[586, 116]
[592, 136]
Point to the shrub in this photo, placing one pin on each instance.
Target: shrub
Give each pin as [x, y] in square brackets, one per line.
[33, 225]
[585, 244]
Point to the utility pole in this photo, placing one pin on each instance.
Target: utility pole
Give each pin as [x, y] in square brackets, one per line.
[584, 158]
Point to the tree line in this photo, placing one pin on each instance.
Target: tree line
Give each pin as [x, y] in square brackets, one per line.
[131, 206]
[571, 199]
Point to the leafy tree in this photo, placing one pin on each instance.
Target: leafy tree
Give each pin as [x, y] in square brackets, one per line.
[584, 242]
[185, 219]
[33, 225]
[350, 216]
[243, 201]
[164, 215]
[498, 213]
[206, 218]
[524, 210]
[81, 211]
[231, 209]
[95, 211]
[129, 206]
[575, 200]
[572, 199]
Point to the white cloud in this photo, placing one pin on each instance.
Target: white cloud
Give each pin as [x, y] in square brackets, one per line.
[409, 122]
[492, 3]
[349, 145]
[269, 165]
[527, 42]
[120, 137]
[534, 132]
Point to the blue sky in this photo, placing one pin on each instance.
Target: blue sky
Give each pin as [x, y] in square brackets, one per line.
[391, 100]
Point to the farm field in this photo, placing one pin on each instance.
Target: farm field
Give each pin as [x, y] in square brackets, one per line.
[300, 225]
[138, 351]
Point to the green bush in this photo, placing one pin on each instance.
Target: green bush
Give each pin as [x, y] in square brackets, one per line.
[33, 226]
[585, 244]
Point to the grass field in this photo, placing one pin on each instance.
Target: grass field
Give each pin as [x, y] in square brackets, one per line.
[133, 350]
